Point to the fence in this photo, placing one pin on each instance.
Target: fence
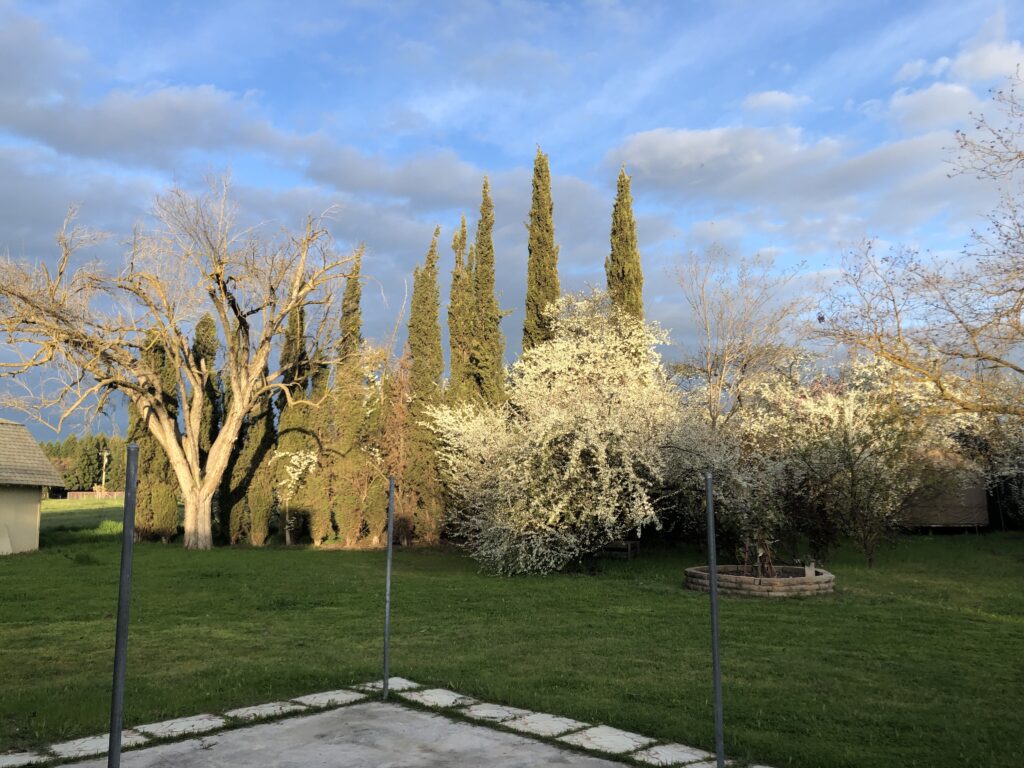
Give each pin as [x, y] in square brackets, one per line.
[80, 495]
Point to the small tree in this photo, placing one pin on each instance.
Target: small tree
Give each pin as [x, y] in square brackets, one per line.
[864, 442]
[298, 466]
[567, 464]
[745, 322]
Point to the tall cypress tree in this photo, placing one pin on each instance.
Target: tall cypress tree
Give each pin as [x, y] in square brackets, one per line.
[293, 424]
[205, 347]
[542, 287]
[247, 494]
[157, 489]
[345, 465]
[622, 267]
[425, 328]
[461, 311]
[425, 387]
[488, 356]
[351, 312]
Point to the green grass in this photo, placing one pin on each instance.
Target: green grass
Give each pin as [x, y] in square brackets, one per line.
[79, 513]
[915, 663]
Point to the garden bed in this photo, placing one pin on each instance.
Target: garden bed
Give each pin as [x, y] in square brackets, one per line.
[789, 581]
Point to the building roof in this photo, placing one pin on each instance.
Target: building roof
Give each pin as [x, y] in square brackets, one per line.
[22, 461]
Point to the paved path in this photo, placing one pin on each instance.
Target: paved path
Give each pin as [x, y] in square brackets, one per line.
[366, 735]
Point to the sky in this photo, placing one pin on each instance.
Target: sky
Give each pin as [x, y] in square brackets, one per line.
[793, 129]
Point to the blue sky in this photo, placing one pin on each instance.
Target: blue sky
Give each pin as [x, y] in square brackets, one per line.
[797, 128]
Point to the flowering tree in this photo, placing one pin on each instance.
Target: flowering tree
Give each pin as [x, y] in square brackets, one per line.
[567, 464]
[748, 482]
[862, 443]
[299, 466]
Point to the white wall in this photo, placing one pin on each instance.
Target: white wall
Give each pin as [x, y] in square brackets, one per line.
[19, 518]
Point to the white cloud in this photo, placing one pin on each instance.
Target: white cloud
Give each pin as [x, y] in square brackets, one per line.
[812, 195]
[910, 71]
[941, 105]
[918, 68]
[989, 56]
[776, 101]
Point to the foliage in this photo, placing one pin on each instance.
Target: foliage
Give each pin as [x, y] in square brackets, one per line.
[565, 466]
[487, 356]
[542, 287]
[163, 503]
[622, 267]
[861, 444]
[296, 468]
[156, 480]
[247, 495]
[205, 348]
[461, 316]
[351, 311]
[427, 366]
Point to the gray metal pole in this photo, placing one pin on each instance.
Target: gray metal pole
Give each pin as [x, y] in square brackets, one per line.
[124, 594]
[387, 587]
[716, 666]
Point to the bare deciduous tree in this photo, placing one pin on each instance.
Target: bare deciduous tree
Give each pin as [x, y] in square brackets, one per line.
[957, 323]
[744, 317]
[84, 329]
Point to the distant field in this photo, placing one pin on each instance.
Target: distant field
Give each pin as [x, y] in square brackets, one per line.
[917, 663]
[79, 513]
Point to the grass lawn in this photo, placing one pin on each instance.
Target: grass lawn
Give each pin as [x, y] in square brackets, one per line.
[79, 513]
[919, 662]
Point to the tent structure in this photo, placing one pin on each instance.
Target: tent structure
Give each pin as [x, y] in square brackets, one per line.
[24, 472]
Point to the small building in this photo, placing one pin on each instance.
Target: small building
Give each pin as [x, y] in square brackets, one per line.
[24, 472]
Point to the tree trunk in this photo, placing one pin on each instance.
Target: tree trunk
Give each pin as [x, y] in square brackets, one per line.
[198, 521]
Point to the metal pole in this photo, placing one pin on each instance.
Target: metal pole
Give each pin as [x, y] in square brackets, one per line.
[716, 666]
[387, 587]
[124, 594]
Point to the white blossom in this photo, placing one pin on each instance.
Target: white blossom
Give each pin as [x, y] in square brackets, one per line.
[568, 463]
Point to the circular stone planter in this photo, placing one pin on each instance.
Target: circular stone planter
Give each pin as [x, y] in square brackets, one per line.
[789, 581]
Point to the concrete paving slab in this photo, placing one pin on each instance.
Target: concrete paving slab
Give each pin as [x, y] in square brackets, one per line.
[394, 684]
[330, 698]
[605, 739]
[438, 697]
[708, 764]
[370, 734]
[263, 711]
[495, 713]
[541, 724]
[183, 726]
[18, 759]
[95, 745]
[672, 754]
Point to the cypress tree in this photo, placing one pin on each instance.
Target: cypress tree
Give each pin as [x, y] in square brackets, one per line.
[488, 355]
[425, 328]
[156, 493]
[205, 347]
[461, 312]
[425, 373]
[542, 287]
[293, 424]
[351, 312]
[314, 495]
[247, 494]
[295, 356]
[622, 267]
